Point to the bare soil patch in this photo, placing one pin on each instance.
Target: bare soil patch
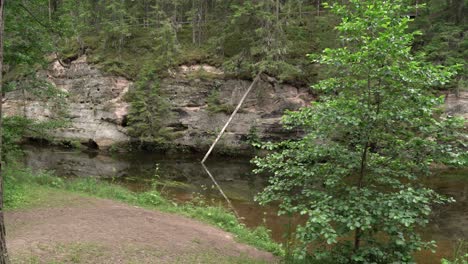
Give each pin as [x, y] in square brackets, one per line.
[92, 230]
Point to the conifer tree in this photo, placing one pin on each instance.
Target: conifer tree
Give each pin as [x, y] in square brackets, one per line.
[150, 111]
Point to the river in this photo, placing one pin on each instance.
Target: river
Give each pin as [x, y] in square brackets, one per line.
[185, 178]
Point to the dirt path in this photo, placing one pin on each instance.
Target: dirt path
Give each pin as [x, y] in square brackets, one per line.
[89, 230]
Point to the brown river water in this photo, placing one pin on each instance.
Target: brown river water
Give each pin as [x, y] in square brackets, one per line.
[186, 178]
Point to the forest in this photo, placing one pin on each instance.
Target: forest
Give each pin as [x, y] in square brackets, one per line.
[338, 130]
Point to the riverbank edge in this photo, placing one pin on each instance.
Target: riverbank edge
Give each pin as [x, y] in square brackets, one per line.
[132, 147]
[25, 189]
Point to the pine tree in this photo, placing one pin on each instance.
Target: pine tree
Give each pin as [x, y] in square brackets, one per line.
[150, 110]
[261, 30]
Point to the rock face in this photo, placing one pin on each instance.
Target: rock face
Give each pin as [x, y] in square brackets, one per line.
[259, 116]
[457, 105]
[98, 110]
[94, 101]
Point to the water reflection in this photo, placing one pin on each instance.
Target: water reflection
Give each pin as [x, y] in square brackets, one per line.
[228, 201]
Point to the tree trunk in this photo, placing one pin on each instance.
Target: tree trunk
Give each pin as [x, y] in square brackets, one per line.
[459, 11]
[199, 21]
[232, 116]
[358, 232]
[194, 41]
[50, 11]
[300, 11]
[175, 13]
[417, 5]
[277, 11]
[318, 8]
[3, 249]
[146, 16]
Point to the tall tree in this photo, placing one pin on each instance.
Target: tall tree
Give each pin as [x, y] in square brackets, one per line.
[150, 111]
[3, 249]
[196, 14]
[370, 139]
[260, 31]
[117, 25]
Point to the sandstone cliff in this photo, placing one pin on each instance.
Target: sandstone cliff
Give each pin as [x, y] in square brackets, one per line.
[98, 108]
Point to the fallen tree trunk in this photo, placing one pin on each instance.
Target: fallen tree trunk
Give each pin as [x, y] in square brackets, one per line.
[231, 117]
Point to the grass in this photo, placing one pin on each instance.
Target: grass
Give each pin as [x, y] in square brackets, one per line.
[62, 253]
[25, 189]
[95, 253]
[211, 257]
[216, 106]
[460, 254]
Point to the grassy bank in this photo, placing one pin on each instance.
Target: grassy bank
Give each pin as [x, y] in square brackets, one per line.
[25, 189]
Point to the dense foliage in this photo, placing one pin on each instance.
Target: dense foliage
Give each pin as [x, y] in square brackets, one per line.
[150, 111]
[29, 36]
[371, 137]
[444, 40]
[241, 36]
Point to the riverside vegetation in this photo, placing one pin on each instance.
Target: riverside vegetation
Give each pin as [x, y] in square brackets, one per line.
[25, 189]
[371, 136]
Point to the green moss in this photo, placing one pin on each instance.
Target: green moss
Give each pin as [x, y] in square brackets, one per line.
[119, 147]
[190, 55]
[70, 51]
[203, 75]
[73, 144]
[17, 73]
[139, 49]
[216, 106]
[126, 62]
